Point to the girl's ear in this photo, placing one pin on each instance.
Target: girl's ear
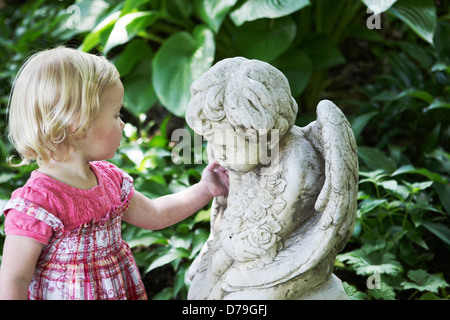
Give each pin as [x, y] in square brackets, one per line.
[74, 128]
[75, 132]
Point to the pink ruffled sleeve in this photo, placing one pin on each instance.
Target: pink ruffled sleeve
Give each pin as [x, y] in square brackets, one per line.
[17, 222]
[20, 224]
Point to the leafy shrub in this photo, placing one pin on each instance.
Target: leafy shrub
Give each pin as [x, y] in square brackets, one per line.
[400, 119]
[402, 236]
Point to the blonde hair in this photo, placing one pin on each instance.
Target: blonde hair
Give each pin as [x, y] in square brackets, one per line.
[54, 99]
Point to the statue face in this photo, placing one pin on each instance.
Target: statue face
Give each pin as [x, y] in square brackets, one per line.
[233, 151]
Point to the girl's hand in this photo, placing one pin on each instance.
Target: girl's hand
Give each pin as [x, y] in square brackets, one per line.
[215, 178]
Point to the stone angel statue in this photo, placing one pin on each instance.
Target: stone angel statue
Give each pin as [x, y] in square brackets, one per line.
[292, 198]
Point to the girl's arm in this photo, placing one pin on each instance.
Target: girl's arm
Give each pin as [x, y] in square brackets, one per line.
[168, 210]
[20, 255]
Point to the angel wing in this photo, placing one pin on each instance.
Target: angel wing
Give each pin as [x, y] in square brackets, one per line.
[328, 230]
[332, 132]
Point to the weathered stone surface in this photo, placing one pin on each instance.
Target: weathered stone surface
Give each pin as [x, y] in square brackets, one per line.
[292, 199]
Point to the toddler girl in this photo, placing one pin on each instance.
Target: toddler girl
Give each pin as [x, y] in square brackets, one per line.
[63, 227]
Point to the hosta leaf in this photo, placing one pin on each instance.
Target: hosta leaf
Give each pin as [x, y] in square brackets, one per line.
[168, 257]
[423, 281]
[360, 122]
[378, 6]
[376, 159]
[164, 294]
[90, 12]
[421, 171]
[128, 26]
[278, 36]
[131, 55]
[139, 96]
[213, 12]
[439, 230]
[179, 281]
[180, 60]
[200, 236]
[147, 238]
[443, 191]
[181, 240]
[257, 9]
[322, 51]
[100, 33]
[297, 67]
[131, 5]
[368, 205]
[419, 15]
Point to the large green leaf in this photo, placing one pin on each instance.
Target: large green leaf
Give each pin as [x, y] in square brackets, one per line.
[441, 41]
[322, 51]
[180, 60]
[378, 6]
[439, 230]
[376, 159]
[422, 171]
[128, 26]
[213, 12]
[84, 16]
[265, 39]
[443, 191]
[100, 33]
[167, 257]
[419, 15]
[132, 54]
[297, 67]
[257, 9]
[135, 65]
[132, 5]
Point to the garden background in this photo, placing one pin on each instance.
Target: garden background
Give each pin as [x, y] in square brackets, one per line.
[386, 64]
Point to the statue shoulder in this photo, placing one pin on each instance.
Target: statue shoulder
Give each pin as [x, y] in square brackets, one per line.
[297, 151]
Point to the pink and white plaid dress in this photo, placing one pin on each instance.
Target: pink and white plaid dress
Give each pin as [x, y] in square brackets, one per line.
[89, 261]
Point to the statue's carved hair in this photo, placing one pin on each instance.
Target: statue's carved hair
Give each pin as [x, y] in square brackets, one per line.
[248, 94]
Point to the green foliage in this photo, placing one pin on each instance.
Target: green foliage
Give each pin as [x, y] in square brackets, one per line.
[423, 281]
[403, 226]
[400, 115]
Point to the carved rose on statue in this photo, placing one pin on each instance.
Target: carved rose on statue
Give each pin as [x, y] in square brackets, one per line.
[265, 237]
[256, 214]
[276, 183]
[265, 198]
[253, 219]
